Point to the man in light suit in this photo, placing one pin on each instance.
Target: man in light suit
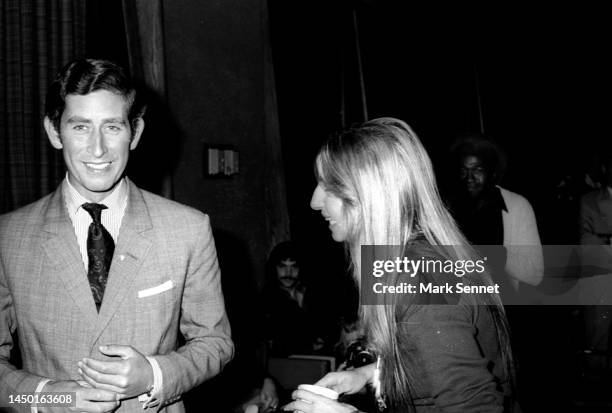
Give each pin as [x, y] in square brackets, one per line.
[595, 226]
[596, 210]
[103, 320]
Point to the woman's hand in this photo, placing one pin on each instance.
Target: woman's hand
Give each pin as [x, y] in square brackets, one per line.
[348, 381]
[308, 402]
[268, 395]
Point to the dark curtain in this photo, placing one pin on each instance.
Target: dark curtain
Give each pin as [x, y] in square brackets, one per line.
[143, 21]
[36, 38]
[277, 215]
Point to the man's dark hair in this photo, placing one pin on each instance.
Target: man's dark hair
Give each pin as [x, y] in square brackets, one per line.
[83, 76]
[284, 251]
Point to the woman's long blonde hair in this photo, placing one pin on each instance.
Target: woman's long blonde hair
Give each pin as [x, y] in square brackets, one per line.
[385, 179]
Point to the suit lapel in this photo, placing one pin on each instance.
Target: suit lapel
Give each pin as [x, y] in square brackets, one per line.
[130, 252]
[604, 204]
[63, 253]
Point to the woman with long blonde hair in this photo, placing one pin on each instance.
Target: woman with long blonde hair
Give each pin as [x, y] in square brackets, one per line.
[376, 186]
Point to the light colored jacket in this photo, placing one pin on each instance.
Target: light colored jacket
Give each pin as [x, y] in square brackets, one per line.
[45, 296]
[525, 260]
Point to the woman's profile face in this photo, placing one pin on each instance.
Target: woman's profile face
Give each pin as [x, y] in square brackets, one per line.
[331, 208]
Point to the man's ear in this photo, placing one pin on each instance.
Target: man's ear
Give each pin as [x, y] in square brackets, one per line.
[52, 133]
[137, 128]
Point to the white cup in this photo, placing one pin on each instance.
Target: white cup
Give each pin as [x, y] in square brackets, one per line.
[321, 391]
[251, 408]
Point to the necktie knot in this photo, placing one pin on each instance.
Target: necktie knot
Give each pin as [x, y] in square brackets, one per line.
[95, 211]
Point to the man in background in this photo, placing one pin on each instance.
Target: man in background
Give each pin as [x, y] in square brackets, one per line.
[595, 227]
[491, 215]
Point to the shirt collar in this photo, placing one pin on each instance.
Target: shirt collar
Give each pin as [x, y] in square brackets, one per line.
[493, 198]
[499, 199]
[115, 201]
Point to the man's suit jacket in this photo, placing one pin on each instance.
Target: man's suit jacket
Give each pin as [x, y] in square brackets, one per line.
[525, 259]
[595, 227]
[164, 277]
[596, 217]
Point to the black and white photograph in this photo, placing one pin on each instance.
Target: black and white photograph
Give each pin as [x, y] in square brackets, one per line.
[259, 206]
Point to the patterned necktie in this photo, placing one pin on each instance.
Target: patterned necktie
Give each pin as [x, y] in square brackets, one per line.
[100, 248]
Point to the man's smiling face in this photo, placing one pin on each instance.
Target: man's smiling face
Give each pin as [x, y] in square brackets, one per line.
[96, 138]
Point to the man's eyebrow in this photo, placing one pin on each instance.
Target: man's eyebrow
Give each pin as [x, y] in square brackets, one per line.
[78, 119]
[114, 120]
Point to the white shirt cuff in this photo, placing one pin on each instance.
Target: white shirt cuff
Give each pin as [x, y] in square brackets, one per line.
[150, 399]
[41, 384]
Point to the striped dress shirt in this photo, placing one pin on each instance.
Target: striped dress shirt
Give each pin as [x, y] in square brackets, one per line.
[111, 218]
